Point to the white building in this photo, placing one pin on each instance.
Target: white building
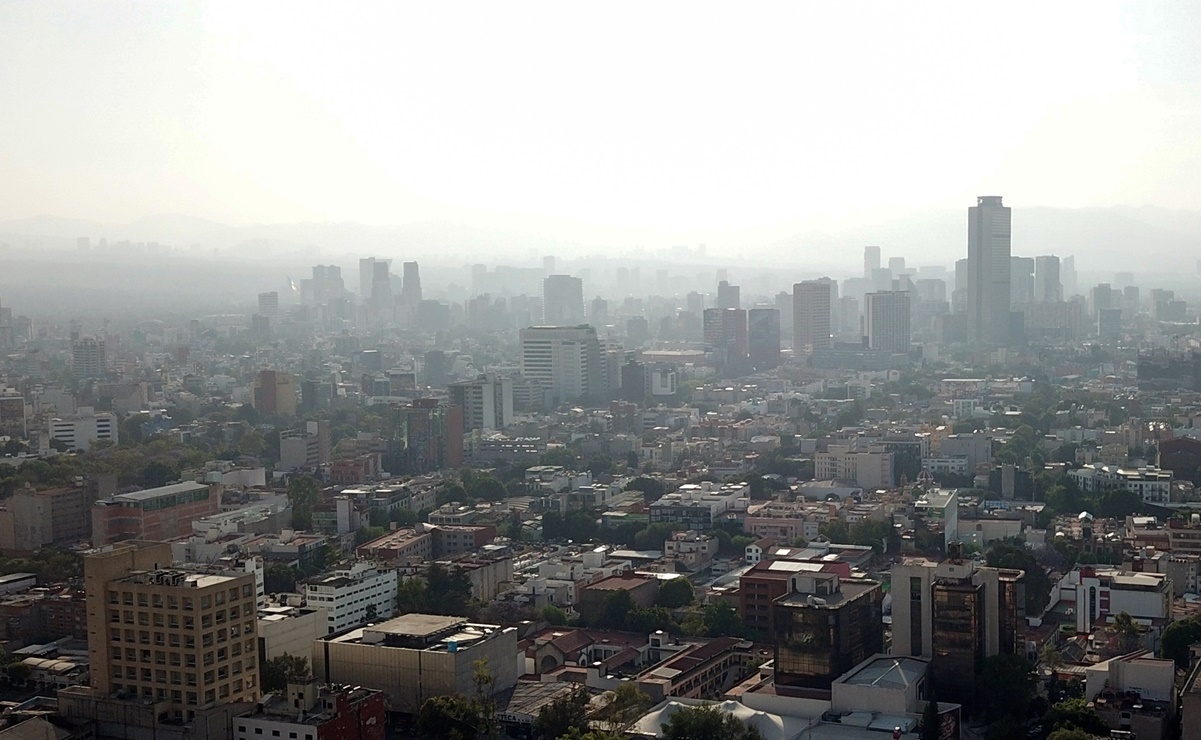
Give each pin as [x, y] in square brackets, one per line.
[870, 468]
[1152, 485]
[487, 402]
[956, 465]
[976, 447]
[353, 597]
[80, 431]
[941, 506]
[886, 321]
[1099, 594]
[564, 360]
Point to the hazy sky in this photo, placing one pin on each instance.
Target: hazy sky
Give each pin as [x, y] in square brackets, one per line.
[678, 120]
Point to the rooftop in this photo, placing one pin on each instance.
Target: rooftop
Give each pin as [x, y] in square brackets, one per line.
[153, 493]
[888, 672]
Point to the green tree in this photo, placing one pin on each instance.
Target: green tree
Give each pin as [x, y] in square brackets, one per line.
[1012, 553]
[689, 723]
[553, 614]
[1177, 637]
[676, 593]
[366, 534]
[929, 726]
[651, 488]
[564, 713]
[1126, 631]
[1076, 714]
[303, 494]
[447, 590]
[452, 717]
[872, 534]
[486, 488]
[559, 456]
[1072, 734]
[622, 707]
[410, 596]
[600, 465]
[156, 474]
[612, 613]
[1006, 686]
[485, 701]
[278, 670]
[280, 579]
[836, 531]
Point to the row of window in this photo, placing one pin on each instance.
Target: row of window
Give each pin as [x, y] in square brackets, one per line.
[171, 601]
[158, 619]
[191, 698]
[178, 678]
[186, 639]
[163, 657]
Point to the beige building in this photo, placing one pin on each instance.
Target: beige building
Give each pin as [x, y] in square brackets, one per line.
[182, 641]
[416, 656]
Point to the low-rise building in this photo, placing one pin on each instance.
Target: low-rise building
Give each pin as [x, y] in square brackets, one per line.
[417, 656]
[1152, 485]
[691, 549]
[354, 596]
[307, 711]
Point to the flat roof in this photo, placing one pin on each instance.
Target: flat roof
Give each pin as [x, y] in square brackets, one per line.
[418, 625]
[152, 493]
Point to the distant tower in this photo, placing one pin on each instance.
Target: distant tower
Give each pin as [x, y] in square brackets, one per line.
[411, 289]
[562, 300]
[728, 296]
[269, 307]
[88, 358]
[988, 252]
[886, 321]
[548, 265]
[1047, 288]
[871, 260]
[811, 317]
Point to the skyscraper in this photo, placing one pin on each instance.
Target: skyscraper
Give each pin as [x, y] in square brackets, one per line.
[269, 307]
[562, 300]
[411, 287]
[1047, 288]
[564, 360]
[1067, 276]
[763, 337]
[811, 317]
[871, 261]
[1021, 280]
[886, 320]
[381, 291]
[88, 358]
[728, 296]
[988, 252]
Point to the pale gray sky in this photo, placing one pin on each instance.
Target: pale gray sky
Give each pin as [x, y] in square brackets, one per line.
[679, 121]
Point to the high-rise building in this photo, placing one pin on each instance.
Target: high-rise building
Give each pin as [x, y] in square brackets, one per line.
[728, 296]
[564, 360]
[1067, 270]
[274, 393]
[411, 287]
[763, 337]
[871, 261]
[367, 276]
[896, 265]
[824, 627]
[811, 301]
[487, 402]
[562, 300]
[957, 613]
[182, 640]
[381, 291]
[726, 332]
[269, 307]
[1021, 279]
[988, 252]
[1047, 288]
[886, 321]
[88, 358]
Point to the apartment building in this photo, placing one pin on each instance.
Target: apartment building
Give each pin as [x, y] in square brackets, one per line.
[354, 596]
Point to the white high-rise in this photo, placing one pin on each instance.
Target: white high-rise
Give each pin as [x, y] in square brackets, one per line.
[988, 253]
[562, 300]
[1047, 287]
[811, 317]
[487, 401]
[886, 321]
[564, 360]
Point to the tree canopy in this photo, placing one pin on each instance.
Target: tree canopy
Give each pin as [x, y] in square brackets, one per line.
[1011, 553]
[689, 723]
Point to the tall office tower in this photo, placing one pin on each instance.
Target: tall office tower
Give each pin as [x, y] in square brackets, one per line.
[1047, 288]
[327, 284]
[886, 321]
[694, 302]
[1101, 297]
[763, 337]
[726, 332]
[88, 358]
[988, 237]
[269, 307]
[784, 306]
[956, 613]
[562, 300]
[1021, 280]
[1067, 276]
[381, 291]
[598, 312]
[849, 321]
[366, 278]
[728, 296]
[871, 261]
[896, 265]
[881, 279]
[273, 393]
[548, 265]
[564, 360]
[487, 402]
[184, 641]
[810, 317]
[1130, 301]
[411, 287]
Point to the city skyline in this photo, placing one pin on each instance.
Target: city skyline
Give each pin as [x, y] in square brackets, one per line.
[385, 112]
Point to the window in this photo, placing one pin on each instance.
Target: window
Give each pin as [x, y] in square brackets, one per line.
[206, 602]
[173, 621]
